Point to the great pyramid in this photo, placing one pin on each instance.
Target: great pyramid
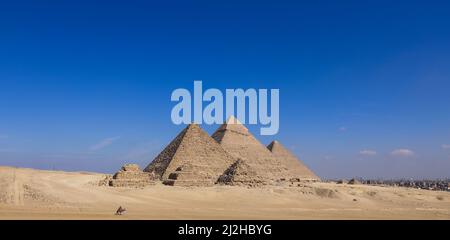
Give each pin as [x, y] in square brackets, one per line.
[241, 144]
[296, 167]
[193, 158]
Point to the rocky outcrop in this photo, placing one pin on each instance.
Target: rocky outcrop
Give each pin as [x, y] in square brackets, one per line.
[130, 175]
[353, 181]
[341, 181]
[105, 181]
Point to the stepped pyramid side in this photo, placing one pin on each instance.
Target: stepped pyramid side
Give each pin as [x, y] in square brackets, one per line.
[130, 175]
[297, 169]
[240, 173]
[193, 158]
[241, 144]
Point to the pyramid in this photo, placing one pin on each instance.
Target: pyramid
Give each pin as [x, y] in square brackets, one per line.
[193, 158]
[296, 167]
[130, 175]
[240, 173]
[241, 144]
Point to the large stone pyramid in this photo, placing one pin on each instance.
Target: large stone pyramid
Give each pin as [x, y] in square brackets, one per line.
[193, 158]
[241, 144]
[296, 167]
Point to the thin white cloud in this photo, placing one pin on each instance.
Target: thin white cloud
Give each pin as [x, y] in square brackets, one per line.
[143, 151]
[104, 143]
[342, 129]
[367, 152]
[403, 152]
[445, 146]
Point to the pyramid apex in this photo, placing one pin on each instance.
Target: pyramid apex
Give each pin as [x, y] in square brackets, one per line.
[192, 125]
[276, 147]
[232, 120]
[273, 144]
[232, 123]
[288, 158]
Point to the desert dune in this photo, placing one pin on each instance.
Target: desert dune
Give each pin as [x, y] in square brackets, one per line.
[40, 194]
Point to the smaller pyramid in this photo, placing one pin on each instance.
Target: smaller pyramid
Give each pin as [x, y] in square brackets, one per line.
[296, 168]
[241, 174]
[130, 175]
[193, 158]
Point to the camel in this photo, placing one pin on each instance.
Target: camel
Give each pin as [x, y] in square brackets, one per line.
[121, 211]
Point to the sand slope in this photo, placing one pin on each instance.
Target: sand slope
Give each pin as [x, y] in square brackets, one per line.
[37, 194]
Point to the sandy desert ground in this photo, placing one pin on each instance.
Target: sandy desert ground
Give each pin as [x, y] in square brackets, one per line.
[38, 194]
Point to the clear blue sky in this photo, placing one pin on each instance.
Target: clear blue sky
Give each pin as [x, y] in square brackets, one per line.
[364, 85]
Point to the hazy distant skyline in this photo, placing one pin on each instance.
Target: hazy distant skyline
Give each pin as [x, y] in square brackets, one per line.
[363, 86]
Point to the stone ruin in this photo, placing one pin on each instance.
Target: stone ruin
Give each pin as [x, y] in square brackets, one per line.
[353, 181]
[130, 175]
[241, 174]
[341, 181]
[231, 156]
